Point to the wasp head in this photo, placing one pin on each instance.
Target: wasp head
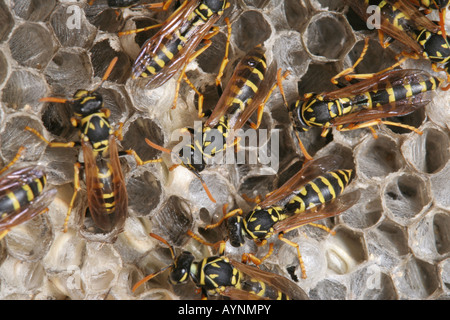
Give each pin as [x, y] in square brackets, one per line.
[181, 268]
[235, 228]
[296, 114]
[86, 102]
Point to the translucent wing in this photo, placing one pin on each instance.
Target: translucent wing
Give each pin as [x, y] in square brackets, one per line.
[326, 210]
[103, 219]
[281, 283]
[310, 170]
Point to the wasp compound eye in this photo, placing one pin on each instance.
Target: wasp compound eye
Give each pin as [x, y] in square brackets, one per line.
[234, 227]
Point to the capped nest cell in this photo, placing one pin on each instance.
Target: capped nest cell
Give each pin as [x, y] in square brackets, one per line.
[392, 244]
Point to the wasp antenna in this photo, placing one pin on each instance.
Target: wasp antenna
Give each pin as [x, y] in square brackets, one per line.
[53, 99]
[107, 72]
[154, 235]
[149, 277]
[210, 196]
[157, 147]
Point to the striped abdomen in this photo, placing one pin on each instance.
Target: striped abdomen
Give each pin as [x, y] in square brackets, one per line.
[436, 48]
[319, 190]
[245, 82]
[395, 16]
[105, 177]
[174, 43]
[262, 289]
[20, 196]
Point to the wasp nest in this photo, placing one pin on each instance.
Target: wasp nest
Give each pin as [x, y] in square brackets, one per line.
[393, 244]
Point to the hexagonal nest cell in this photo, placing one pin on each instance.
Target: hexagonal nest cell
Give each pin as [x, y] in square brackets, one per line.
[393, 243]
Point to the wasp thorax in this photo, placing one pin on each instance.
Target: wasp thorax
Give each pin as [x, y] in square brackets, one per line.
[192, 158]
[86, 102]
[181, 269]
[215, 5]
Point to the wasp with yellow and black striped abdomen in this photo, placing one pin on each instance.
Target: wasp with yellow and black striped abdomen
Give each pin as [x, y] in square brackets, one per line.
[402, 21]
[440, 5]
[220, 275]
[312, 194]
[23, 195]
[105, 185]
[172, 48]
[364, 104]
[248, 90]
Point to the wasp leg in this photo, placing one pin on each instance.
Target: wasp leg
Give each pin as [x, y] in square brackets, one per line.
[50, 144]
[220, 245]
[183, 71]
[200, 96]
[77, 188]
[295, 245]
[280, 79]
[225, 58]
[256, 199]
[349, 77]
[321, 226]
[257, 261]
[128, 32]
[442, 14]
[352, 68]
[302, 147]
[14, 160]
[372, 123]
[138, 159]
[225, 217]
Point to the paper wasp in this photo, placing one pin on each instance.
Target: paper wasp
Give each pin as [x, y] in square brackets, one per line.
[219, 275]
[172, 48]
[440, 5]
[105, 185]
[248, 89]
[23, 194]
[402, 21]
[312, 194]
[364, 104]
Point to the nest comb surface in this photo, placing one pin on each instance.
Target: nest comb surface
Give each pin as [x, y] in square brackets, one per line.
[393, 244]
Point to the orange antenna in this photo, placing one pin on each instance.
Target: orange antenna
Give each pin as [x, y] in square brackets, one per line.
[53, 99]
[107, 72]
[151, 276]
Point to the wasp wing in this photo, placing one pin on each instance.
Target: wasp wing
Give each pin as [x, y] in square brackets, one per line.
[242, 72]
[258, 99]
[390, 29]
[325, 210]
[280, 283]
[310, 170]
[399, 107]
[104, 219]
[16, 179]
[181, 58]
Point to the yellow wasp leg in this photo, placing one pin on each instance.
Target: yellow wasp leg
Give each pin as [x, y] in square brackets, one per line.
[183, 75]
[14, 160]
[138, 159]
[225, 217]
[76, 188]
[295, 245]
[257, 261]
[225, 58]
[280, 78]
[352, 68]
[372, 123]
[50, 144]
[218, 244]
